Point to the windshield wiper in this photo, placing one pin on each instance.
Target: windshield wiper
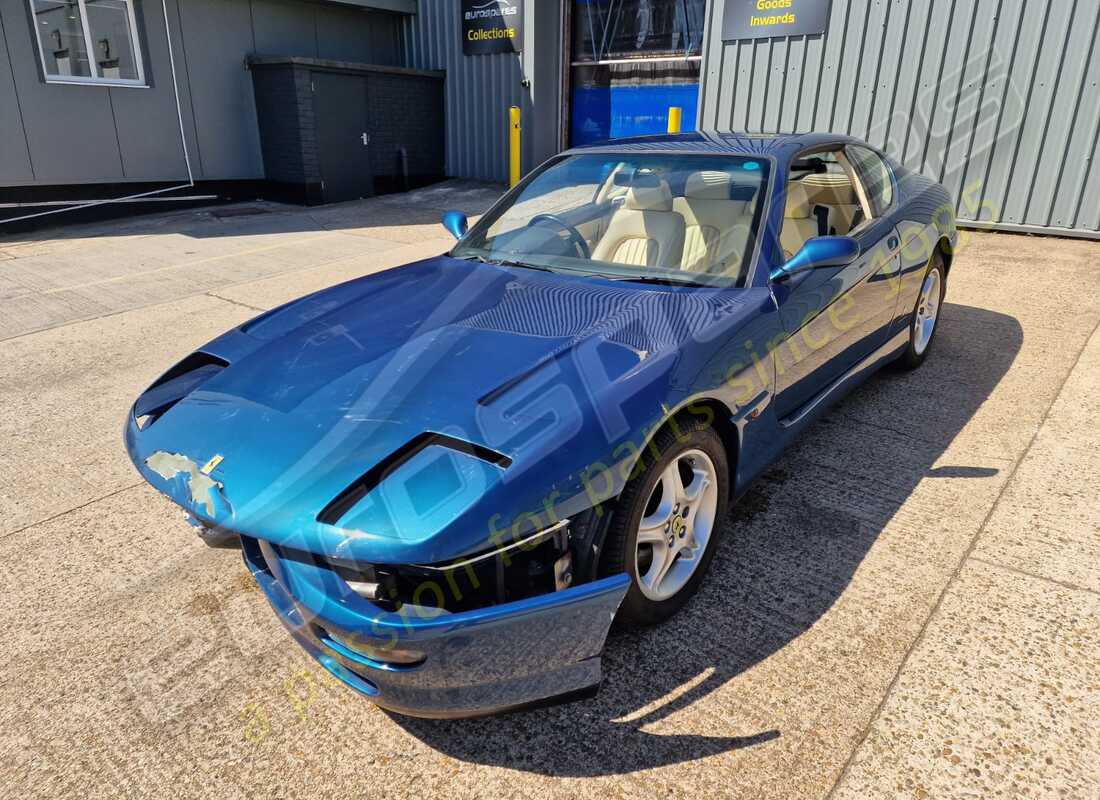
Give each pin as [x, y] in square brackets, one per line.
[505, 262]
[657, 279]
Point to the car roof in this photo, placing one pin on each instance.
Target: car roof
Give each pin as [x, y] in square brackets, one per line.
[783, 146]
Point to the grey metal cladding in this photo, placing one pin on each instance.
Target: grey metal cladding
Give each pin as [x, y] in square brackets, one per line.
[478, 92]
[68, 134]
[145, 123]
[52, 113]
[998, 99]
[15, 157]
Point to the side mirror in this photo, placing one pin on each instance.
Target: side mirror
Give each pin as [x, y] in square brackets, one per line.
[818, 253]
[455, 222]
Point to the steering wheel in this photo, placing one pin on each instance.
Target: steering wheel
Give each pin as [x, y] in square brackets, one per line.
[574, 235]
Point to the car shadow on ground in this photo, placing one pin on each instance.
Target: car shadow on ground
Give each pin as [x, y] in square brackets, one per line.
[787, 553]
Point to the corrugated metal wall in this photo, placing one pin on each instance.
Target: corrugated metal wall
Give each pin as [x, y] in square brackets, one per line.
[478, 92]
[999, 99]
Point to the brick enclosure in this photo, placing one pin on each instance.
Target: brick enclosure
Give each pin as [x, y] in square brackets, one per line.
[403, 114]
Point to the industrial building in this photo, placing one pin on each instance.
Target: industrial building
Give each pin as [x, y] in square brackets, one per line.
[317, 101]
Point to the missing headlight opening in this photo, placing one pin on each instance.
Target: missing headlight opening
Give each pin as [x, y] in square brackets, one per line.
[537, 564]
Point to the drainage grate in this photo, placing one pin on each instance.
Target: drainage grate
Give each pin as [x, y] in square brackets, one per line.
[239, 211]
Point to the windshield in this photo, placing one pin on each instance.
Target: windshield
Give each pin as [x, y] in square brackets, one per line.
[648, 217]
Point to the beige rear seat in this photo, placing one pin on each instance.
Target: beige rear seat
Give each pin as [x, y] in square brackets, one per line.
[835, 191]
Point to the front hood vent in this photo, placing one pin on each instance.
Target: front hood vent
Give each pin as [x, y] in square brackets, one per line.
[343, 502]
[174, 385]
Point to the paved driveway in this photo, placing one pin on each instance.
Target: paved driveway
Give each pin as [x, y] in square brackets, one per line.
[906, 605]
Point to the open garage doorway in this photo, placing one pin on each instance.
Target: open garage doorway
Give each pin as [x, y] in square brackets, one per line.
[630, 60]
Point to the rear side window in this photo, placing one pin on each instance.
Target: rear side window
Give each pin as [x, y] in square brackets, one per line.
[876, 177]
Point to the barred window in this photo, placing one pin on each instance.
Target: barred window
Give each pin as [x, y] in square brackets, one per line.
[88, 41]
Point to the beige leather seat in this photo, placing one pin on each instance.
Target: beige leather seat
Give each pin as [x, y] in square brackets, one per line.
[716, 228]
[800, 224]
[645, 232]
[834, 190]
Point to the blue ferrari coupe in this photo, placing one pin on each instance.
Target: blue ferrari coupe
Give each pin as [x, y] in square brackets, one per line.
[452, 477]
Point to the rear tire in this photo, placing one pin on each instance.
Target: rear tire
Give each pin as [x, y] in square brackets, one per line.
[924, 321]
[664, 526]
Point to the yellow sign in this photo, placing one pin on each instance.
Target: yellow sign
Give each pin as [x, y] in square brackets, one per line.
[764, 19]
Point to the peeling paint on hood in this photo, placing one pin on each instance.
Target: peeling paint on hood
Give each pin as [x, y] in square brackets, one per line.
[204, 489]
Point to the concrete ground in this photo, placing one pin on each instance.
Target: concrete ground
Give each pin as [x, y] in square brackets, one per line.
[907, 605]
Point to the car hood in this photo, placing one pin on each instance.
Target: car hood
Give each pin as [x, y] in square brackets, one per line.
[439, 403]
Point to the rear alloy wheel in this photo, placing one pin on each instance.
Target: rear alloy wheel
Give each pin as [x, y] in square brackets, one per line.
[926, 314]
[665, 523]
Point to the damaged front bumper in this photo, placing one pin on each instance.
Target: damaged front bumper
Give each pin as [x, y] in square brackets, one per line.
[447, 664]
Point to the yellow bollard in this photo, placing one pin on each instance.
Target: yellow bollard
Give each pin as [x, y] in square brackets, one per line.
[513, 145]
[675, 113]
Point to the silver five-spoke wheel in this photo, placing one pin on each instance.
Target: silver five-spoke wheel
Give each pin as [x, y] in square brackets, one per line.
[928, 308]
[677, 524]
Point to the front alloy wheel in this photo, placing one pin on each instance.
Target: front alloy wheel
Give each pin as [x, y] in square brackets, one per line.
[674, 534]
[664, 526]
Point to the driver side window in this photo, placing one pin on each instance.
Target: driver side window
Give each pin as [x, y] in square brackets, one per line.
[824, 198]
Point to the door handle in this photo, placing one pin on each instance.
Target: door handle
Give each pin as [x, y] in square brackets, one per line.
[892, 243]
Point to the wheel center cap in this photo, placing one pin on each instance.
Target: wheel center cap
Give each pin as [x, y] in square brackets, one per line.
[677, 528]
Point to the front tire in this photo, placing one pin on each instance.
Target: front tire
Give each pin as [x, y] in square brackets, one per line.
[664, 527]
[924, 320]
